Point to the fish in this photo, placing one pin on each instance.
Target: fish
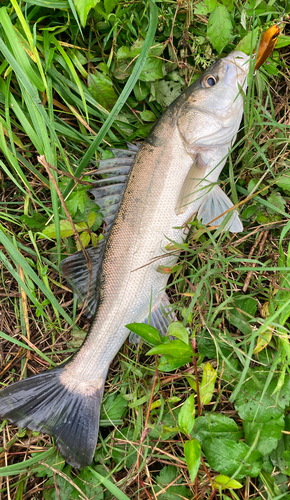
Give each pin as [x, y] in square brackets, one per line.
[149, 194]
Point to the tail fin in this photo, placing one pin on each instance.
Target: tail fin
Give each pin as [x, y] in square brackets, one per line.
[43, 403]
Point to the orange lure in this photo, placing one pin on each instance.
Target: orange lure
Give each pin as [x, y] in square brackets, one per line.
[267, 44]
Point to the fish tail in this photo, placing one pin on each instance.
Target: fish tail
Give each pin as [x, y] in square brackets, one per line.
[69, 414]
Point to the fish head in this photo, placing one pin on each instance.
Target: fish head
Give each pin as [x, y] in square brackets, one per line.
[213, 105]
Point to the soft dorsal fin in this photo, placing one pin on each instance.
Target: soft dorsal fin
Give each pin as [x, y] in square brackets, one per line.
[192, 189]
[108, 194]
[75, 270]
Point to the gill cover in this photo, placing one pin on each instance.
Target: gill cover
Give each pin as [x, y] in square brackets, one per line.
[212, 117]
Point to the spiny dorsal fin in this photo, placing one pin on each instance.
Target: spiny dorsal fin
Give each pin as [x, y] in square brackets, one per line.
[108, 194]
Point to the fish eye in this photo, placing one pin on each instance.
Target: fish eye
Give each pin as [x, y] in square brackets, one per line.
[209, 81]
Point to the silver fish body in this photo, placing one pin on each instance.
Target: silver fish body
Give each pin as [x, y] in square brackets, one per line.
[174, 175]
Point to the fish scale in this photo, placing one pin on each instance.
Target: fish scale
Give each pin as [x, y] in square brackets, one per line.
[174, 175]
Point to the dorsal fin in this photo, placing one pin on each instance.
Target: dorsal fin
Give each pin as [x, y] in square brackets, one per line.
[108, 194]
[75, 270]
[108, 191]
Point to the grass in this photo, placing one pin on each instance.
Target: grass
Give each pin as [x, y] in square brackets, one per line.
[74, 81]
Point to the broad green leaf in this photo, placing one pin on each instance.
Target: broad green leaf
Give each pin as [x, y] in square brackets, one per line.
[186, 415]
[152, 70]
[94, 239]
[192, 453]
[36, 221]
[276, 200]
[175, 348]
[83, 7]
[110, 5]
[147, 332]
[136, 48]
[284, 183]
[251, 406]
[123, 52]
[270, 433]
[176, 329]
[206, 387]
[167, 476]
[201, 8]
[124, 453]
[76, 201]
[65, 229]
[114, 407]
[85, 239]
[210, 4]
[280, 456]
[92, 218]
[219, 28]
[247, 305]
[248, 43]
[89, 484]
[283, 41]
[169, 363]
[148, 116]
[229, 4]
[226, 482]
[101, 88]
[215, 425]
[141, 90]
[250, 211]
[165, 92]
[65, 488]
[264, 339]
[226, 456]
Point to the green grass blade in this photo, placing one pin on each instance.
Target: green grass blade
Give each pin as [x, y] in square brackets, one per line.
[110, 486]
[19, 468]
[122, 98]
[17, 257]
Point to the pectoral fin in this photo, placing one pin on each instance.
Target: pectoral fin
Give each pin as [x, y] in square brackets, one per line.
[214, 205]
[192, 188]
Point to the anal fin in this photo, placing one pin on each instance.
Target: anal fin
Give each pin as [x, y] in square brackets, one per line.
[214, 205]
[161, 316]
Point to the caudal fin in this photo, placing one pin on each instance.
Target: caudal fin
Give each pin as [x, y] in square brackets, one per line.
[43, 403]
